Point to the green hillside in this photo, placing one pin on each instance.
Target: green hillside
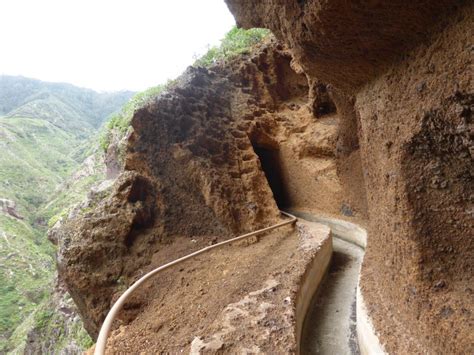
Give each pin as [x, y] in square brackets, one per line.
[36, 157]
[46, 132]
[65, 105]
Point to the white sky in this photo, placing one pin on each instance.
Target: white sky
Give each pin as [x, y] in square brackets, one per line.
[107, 44]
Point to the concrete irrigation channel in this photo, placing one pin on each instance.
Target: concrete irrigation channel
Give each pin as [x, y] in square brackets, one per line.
[336, 322]
[330, 326]
[328, 314]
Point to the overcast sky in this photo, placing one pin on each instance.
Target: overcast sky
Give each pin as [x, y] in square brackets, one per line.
[107, 44]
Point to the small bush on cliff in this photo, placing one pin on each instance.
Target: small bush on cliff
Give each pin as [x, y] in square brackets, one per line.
[52, 221]
[236, 41]
[120, 122]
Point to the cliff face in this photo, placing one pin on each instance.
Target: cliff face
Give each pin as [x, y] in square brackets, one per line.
[345, 43]
[401, 79]
[363, 109]
[212, 157]
[191, 170]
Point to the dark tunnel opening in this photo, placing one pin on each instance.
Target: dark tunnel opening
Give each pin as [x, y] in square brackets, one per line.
[272, 167]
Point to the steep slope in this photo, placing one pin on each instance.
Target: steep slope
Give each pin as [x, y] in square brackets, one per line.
[44, 137]
[76, 110]
[213, 156]
[37, 155]
[363, 109]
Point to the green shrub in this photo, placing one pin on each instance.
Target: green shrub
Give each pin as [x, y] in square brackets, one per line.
[52, 221]
[83, 339]
[42, 318]
[120, 122]
[236, 41]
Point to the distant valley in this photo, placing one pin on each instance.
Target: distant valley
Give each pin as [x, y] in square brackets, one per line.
[48, 131]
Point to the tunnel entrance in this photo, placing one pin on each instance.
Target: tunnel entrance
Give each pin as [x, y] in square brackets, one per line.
[272, 167]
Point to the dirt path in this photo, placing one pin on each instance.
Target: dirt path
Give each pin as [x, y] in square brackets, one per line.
[229, 300]
[330, 326]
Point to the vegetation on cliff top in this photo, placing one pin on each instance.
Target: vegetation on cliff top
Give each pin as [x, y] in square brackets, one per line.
[119, 122]
[236, 41]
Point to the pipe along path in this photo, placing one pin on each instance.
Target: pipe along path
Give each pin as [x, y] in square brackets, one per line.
[107, 325]
[330, 324]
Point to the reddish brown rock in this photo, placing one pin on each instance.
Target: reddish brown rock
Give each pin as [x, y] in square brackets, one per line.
[400, 74]
[209, 159]
[369, 113]
[345, 43]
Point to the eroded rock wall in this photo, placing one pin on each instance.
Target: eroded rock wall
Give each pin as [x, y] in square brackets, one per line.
[192, 170]
[417, 143]
[400, 74]
[345, 43]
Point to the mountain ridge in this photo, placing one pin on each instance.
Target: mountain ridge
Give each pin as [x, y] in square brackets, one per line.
[25, 97]
[47, 130]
